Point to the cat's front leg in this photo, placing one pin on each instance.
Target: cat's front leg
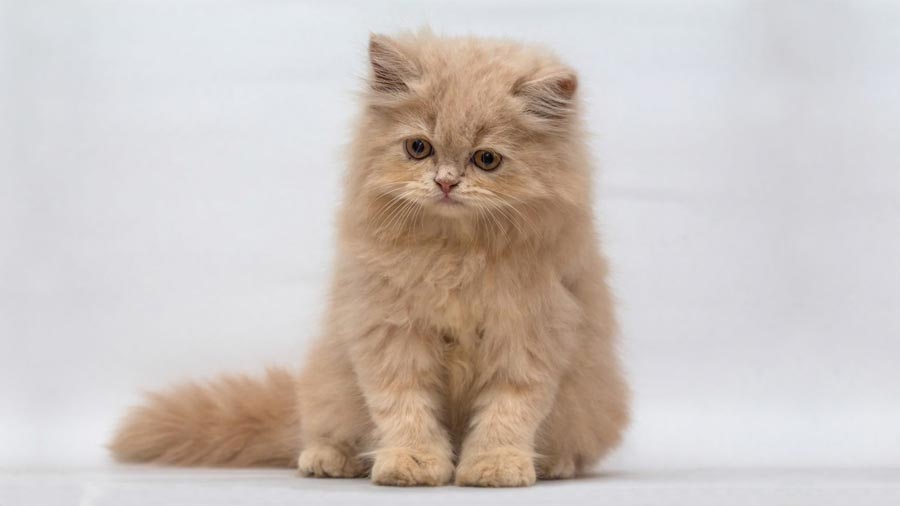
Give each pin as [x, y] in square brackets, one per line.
[499, 450]
[399, 375]
[524, 357]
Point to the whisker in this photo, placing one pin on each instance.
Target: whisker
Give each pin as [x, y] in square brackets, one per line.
[387, 213]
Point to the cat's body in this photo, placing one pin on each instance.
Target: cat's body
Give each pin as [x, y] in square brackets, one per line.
[470, 327]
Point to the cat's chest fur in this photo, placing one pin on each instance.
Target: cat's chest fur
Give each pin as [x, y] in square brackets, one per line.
[446, 294]
[443, 289]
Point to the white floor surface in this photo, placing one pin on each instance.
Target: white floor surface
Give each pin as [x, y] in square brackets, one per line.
[737, 487]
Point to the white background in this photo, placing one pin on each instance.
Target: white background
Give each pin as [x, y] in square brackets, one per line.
[169, 172]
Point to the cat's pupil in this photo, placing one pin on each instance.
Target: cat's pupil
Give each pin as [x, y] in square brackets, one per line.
[418, 146]
[487, 158]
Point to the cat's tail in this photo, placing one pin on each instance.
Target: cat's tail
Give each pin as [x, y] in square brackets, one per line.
[232, 421]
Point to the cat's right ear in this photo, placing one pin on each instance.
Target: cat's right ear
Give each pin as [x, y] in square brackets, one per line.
[391, 68]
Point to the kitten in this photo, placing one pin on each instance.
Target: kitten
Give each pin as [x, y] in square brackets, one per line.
[470, 331]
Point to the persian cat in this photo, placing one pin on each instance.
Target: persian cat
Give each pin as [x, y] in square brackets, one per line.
[470, 330]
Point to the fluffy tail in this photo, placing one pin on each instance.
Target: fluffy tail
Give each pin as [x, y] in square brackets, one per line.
[233, 421]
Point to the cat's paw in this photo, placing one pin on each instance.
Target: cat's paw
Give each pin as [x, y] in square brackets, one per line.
[324, 461]
[408, 468]
[502, 467]
[555, 468]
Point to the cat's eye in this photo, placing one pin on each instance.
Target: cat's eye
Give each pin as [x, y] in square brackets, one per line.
[486, 159]
[418, 148]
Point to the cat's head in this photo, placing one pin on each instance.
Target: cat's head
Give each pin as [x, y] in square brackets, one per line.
[468, 129]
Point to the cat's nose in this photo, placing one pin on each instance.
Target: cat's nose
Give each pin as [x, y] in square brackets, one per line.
[446, 183]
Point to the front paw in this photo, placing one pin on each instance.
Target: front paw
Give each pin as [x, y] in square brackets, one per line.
[403, 467]
[502, 467]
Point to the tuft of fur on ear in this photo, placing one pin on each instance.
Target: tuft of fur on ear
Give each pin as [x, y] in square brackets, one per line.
[549, 97]
[391, 68]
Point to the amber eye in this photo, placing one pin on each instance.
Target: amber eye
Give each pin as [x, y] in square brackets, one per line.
[486, 159]
[418, 148]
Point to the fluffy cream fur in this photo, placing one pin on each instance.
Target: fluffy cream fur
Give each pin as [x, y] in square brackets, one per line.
[469, 338]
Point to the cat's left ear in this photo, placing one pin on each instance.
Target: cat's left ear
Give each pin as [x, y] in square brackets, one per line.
[392, 69]
[549, 97]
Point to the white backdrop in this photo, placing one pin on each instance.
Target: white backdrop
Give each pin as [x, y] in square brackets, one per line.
[169, 173]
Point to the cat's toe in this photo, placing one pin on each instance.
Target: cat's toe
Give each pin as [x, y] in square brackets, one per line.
[324, 461]
[504, 467]
[408, 468]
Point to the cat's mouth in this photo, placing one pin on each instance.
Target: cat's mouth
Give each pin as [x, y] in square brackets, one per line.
[448, 205]
[448, 200]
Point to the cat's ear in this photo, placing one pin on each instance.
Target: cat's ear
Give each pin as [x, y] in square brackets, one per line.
[549, 96]
[392, 70]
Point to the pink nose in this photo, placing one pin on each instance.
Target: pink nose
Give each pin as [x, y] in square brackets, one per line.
[446, 185]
